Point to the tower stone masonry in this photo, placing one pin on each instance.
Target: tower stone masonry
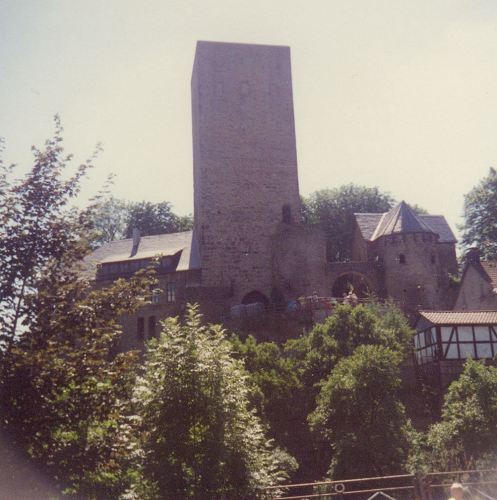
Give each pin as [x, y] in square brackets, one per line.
[248, 244]
[245, 161]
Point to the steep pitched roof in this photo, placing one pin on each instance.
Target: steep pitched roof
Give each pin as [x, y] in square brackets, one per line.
[459, 317]
[400, 219]
[439, 225]
[149, 246]
[369, 224]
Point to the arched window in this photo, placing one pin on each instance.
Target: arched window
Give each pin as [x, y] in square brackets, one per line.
[402, 259]
[255, 297]
[286, 213]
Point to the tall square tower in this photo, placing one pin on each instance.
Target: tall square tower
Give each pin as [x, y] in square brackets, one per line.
[245, 161]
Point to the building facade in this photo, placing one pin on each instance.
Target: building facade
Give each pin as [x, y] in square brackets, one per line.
[444, 340]
[478, 287]
[401, 255]
[249, 245]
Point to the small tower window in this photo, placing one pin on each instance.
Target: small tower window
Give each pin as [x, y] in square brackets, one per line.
[402, 258]
[151, 327]
[286, 213]
[171, 292]
[140, 328]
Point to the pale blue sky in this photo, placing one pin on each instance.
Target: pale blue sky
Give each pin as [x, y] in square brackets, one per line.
[398, 94]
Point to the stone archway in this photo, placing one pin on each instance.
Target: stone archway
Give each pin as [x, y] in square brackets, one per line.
[255, 297]
[352, 280]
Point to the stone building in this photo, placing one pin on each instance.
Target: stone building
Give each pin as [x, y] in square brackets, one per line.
[252, 245]
[478, 287]
[249, 245]
[401, 255]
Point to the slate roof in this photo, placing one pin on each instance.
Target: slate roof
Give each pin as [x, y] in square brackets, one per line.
[460, 317]
[401, 219]
[490, 268]
[439, 225]
[149, 246]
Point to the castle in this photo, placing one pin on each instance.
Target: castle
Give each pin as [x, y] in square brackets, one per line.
[249, 245]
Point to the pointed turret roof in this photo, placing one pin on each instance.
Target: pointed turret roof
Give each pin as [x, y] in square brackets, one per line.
[401, 219]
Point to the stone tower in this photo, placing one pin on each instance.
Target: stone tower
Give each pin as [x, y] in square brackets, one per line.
[245, 162]
[408, 249]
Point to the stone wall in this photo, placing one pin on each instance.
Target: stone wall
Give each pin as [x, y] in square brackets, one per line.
[245, 164]
[410, 269]
[160, 308]
[299, 261]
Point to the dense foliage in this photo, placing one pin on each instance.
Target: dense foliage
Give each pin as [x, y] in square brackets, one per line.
[200, 414]
[465, 437]
[360, 416]
[116, 219]
[38, 230]
[333, 210]
[480, 216]
[199, 438]
[63, 392]
[287, 379]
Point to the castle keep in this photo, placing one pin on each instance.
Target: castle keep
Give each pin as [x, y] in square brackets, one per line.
[245, 168]
[249, 245]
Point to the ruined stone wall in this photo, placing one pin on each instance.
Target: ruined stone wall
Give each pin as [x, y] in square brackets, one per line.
[299, 261]
[475, 292]
[359, 245]
[245, 165]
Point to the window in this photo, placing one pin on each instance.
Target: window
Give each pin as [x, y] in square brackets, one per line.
[155, 297]
[171, 292]
[402, 258]
[433, 259]
[140, 328]
[151, 327]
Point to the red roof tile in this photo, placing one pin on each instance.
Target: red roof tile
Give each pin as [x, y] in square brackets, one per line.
[460, 317]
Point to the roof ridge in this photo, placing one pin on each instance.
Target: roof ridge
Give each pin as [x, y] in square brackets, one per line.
[456, 310]
[401, 219]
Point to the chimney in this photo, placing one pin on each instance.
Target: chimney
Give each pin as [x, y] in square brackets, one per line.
[136, 241]
[473, 256]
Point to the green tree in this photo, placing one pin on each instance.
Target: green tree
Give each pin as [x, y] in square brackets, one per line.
[37, 227]
[110, 220]
[199, 438]
[286, 379]
[465, 437]
[360, 417]
[115, 219]
[154, 218]
[480, 216]
[64, 392]
[279, 395]
[317, 352]
[333, 210]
